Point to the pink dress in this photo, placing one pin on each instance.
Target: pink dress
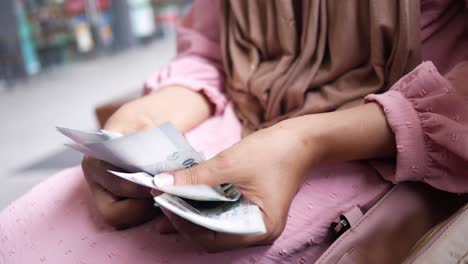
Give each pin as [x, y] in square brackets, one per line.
[427, 110]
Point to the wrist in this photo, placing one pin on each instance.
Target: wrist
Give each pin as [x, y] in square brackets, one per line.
[357, 133]
[128, 119]
[308, 139]
[181, 106]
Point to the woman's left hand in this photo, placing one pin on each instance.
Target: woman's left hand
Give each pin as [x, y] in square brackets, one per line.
[268, 167]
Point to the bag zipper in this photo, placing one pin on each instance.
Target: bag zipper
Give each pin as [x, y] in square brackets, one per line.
[435, 230]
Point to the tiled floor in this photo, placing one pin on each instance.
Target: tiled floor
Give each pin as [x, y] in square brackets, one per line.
[31, 149]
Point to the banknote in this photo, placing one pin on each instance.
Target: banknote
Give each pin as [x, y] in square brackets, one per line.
[227, 192]
[240, 217]
[148, 153]
[83, 137]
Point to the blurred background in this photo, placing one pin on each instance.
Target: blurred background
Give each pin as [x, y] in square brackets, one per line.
[60, 61]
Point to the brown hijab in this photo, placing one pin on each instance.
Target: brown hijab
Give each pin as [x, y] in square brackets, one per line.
[286, 58]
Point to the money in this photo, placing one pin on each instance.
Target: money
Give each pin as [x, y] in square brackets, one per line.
[240, 217]
[145, 154]
[163, 149]
[193, 192]
[151, 151]
[82, 137]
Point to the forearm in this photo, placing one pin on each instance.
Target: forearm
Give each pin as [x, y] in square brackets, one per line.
[181, 106]
[354, 134]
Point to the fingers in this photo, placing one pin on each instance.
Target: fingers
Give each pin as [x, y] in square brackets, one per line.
[209, 240]
[210, 173]
[201, 174]
[122, 213]
[97, 171]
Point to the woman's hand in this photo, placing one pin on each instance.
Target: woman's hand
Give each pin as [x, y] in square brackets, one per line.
[122, 203]
[268, 167]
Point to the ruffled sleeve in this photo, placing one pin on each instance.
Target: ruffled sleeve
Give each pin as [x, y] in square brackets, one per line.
[198, 63]
[428, 114]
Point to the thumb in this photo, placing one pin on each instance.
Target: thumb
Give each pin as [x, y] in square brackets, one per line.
[206, 173]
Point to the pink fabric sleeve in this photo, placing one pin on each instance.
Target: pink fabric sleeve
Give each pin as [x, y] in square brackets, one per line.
[429, 115]
[198, 63]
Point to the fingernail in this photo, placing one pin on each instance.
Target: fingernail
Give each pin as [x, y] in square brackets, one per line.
[164, 179]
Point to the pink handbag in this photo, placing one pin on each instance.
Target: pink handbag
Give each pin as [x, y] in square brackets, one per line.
[388, 231]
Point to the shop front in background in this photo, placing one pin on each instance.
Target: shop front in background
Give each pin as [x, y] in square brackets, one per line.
[50, 33]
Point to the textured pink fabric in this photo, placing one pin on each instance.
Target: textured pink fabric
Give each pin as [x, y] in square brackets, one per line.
[55, 224]
[429, 116]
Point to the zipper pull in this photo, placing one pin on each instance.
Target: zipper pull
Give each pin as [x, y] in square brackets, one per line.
[340, 226]
[344, 222]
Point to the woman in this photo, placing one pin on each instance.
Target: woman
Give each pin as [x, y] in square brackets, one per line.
[274, 72]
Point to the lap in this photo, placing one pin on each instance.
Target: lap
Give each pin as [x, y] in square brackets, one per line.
[56, 222]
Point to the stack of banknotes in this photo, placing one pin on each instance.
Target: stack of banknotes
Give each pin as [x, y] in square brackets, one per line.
[142, 155]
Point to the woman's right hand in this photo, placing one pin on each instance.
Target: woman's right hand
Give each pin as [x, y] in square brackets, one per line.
[121, 203]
